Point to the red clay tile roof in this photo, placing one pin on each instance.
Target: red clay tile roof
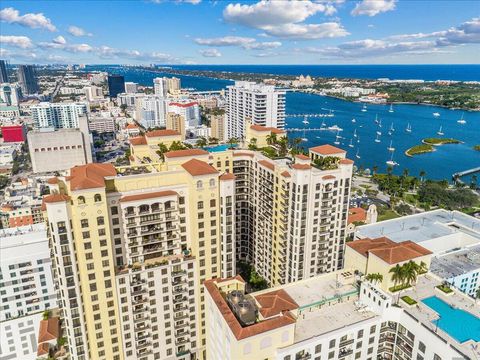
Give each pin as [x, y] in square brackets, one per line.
[301, 166]
[327, 150]
[404, 251]
[139, 140]
[388, 250]
[53, 180]
[43, 349]
[267, 164]
[131, 126]
[53, 198]
[227, 176]
[265, 128]
[302, 157]
[243, 154]
[197, 167]
[151, 195]
[90, 176]
[49, 330]
[187, 152]
[286, 174]
[356, 214]
[346, 161]
[328, 177]
[275, 303]
[240, 332]
[166, 132]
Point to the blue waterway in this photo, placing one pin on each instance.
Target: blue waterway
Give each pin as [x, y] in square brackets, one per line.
[459, 324]
[440, 164]
[424, 72]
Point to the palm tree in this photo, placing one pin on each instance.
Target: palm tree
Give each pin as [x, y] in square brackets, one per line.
[375, 169]
[411, 270]
[253, 144]
[283, 144]
[202, 142]
[398, 276]
[232, 141]
[162, 149]
[272, 139]
[374, 278]
[422, 268]
[422, 175]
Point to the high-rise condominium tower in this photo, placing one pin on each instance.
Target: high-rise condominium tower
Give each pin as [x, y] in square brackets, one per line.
[116, 85]
[3, 72]
[260, 104]
[28, 79]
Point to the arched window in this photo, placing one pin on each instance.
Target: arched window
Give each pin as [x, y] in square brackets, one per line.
[81, 200]
[199, 184]
[97, 197]
[212, 182]
[266, 342]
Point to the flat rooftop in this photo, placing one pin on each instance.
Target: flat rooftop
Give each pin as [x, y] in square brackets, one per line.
[423, 227]
[456, 263]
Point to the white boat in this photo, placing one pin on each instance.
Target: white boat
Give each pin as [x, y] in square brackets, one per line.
[355, 133]
[357, 154]
[337, 138]
[440, 132]
[436, 114]
[391, 108]
[304, 139]
[391, 162]
[335, 128]
[391, 128]
[462, 120]
[379, 133]
[354, 121]
[391, 148]
[305, 121]
[377, 140]
[351, 143]
[364, 108]
[323, 124]
[409, 128]
[380, 123]
[376, 119]
[358, 140]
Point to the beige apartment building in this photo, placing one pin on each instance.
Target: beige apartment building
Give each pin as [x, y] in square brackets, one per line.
[133, 245]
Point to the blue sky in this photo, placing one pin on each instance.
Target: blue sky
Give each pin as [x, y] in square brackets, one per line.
[225, 32]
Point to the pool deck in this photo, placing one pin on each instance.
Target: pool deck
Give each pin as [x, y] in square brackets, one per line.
[425, 288]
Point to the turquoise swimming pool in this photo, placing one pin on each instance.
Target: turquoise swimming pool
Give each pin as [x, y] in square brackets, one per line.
[218, 148]
[459, 324]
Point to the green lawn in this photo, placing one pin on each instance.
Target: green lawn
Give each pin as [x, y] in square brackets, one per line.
[445, 289]
[408, 300]
[387, 215]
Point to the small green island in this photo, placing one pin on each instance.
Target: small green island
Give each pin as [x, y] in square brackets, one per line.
[428, 145]
[476, 147]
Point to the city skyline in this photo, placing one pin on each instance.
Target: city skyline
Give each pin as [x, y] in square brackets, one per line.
[206, 32]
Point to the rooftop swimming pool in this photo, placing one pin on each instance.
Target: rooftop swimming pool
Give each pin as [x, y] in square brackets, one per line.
[218, 148]
[459, 324]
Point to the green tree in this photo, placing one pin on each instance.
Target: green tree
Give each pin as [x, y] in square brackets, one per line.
[398, 275]
[422, 175]
[375, 169]
[272, 139]
[283, 146]
[162, 149]
[374, 278]
[177, 145]
[232, 142]
[253, 144]
[202, 142]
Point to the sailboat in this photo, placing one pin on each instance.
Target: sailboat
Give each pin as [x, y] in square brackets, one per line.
[391, 148]
[323, 124]
[358, 140]
[440, 132]
[351, 143]
[391, 162]
[376, 119]
[380, 123]
[379, 133]
[462, 120]
[436, 114]
[377, 140]
[357, 154]
[409, 128]
[337, 138]
[354, 121]
[391, 108]
[355, 133]
[364, 108]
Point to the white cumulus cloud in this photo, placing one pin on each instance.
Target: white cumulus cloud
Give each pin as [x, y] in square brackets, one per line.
[373, 7]
[308, 31]
[23, 42]
[210, 53]
[78, 31]
[225, 41]
[31, 20]
[59, 40]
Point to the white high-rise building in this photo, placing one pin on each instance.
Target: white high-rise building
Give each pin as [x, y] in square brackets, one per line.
[151, 111]
[260, 104]
[162, 86]
[10, 94]
[189, 110]
[58, 115]
[131, 87]
[26, 289]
